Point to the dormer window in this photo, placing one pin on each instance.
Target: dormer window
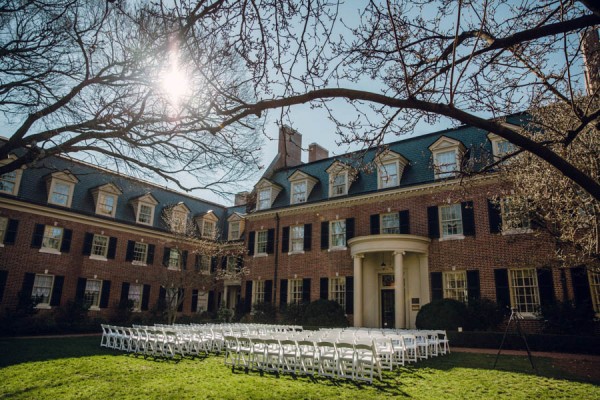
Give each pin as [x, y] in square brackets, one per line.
[267, 192]
[340, 178]
[144, 207]
[176, 217]
[301, 186]
[236, 226]
[106, 197]
[390, 166]
[10, 181]
[207, 225]
[446, 154]
[500, 146]
[60, 188]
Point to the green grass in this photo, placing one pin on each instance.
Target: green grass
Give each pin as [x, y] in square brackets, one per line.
[69, 368]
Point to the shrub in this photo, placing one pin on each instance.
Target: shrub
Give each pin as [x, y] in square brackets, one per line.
[325, 313]
[224, 314]
[564, 317]
[444, 314]
[293, 314]
[264, 313]
[483, 315]
[72, 316]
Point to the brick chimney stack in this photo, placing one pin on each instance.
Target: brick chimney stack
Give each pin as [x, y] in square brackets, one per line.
[290, 148]
[590, 45]
[241, 199]
[316, 152]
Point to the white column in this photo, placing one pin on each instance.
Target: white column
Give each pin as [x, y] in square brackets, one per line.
[424, 275]
[358, 290]
[399, 289]
[225, 295]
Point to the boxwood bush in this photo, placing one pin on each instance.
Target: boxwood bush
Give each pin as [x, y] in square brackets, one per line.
[444, 314]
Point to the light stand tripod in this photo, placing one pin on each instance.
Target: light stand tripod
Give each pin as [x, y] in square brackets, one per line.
[516, 317]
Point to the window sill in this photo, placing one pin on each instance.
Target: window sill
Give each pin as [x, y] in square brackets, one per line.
[94, 308]
[340, 248]
[516, 231]
[43, 306]
[98, 258]
[531, 316]
[173, 269]
[1, 244]
[50, 251]
[453, 237]
[140, 263]
[143, 223]
[295, 252]
[260, 255]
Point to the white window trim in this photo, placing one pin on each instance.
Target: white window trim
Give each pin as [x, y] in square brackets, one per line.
[137, 308]
[139, 209]
[330, 292]
[458, 236]
[594, 287]
[95, 307]
[442, 145]
[291, 246]
[18, 175]
[445, 277]
[71, 188]
[255, 291]
[381, 227]
[513, 231]
[336, 248]
[98, 256]
[5, 220]
[293, 192]
[256, 252]
[178, 259]
[230, 230]
[291, 284]
[107, 190]
[50, 250]
[44, 306]
[268, 199]
[495, 140]
[528, 315]
[137, 262]
[332, 177]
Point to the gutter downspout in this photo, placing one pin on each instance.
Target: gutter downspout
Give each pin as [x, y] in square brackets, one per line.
[275, 273]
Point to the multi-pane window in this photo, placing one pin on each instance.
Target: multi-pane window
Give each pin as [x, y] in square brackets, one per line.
[135, 296]
[92, 292]
[144, 214]
[264, 199]
[337, 290]
[451, 220]
[503, 148]
[140, 253]
[261, 242]
[100, 246]
[295, 291]
[3, 226]
[515, 215]
[234, 230]
[388, 174]
[259, 291]
[205, 264]
[172, 298]
[202, 302]
[297, 238]
[445, 163]
[337, 235]
[338, 184]
[106, 204]
[8, 182]
[524, 293]
[178, 222]
[173, 259]
[208, 229]
[390, 223]
[60, 193]
[232, 265]
[594, 278]
[42, 289]
[455, 285]
[52, 238]
[299, 192]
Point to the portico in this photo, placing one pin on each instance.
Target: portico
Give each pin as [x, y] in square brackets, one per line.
[390, 279]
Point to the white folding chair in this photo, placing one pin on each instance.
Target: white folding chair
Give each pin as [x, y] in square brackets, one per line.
[308, 357]
[327, 359]
[346, 360]
[367, 363]
[385, 351]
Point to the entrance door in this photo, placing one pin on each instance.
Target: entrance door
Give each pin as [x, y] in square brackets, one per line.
[388, 315]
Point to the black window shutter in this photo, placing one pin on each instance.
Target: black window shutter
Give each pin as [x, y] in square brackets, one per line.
[251, 236]
[59, 281]
[239, 262]
[283, 286]
[80, 291]
[473, 285]
[211, 301]
[150, 259]
[224, 262]
[324, 288]
[349, 229]
[181, 297]
[213, 264]
[581, 286]
[124, 293]
[269, 291]
[112, 248]
[248, 299]
[197, 262]
[166, 255]
[307, 237]
[11, 231]
[433, 223]
[306, 290]
[129, 253]
[27, 287]
[324, 235]
[494, 216]
[38, 235]
[437, 291]
[65, 246]
[194, 307]
[285, 239]
[545, 286]
[375, 224]
[3, 278]
[404, 218]
[468, 218]
[105, 295]
[270, 241]
[349, 295]
[502, 288]
[162, 293]
[145, 297]
[88, 239]
[184, 257]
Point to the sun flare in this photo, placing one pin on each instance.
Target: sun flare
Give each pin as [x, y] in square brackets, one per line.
[174, 83]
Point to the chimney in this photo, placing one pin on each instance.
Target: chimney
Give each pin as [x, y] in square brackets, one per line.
[241, 199]
[590, 45]
[316, 152]
[290, 148]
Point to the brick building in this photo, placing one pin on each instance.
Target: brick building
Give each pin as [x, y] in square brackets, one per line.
[382, 236]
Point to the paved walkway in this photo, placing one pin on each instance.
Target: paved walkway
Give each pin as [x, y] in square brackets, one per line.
[561, 356]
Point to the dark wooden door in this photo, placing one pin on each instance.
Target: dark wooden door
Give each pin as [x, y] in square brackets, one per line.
[388, 315]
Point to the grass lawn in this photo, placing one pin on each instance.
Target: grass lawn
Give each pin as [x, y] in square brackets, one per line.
[78, 368]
